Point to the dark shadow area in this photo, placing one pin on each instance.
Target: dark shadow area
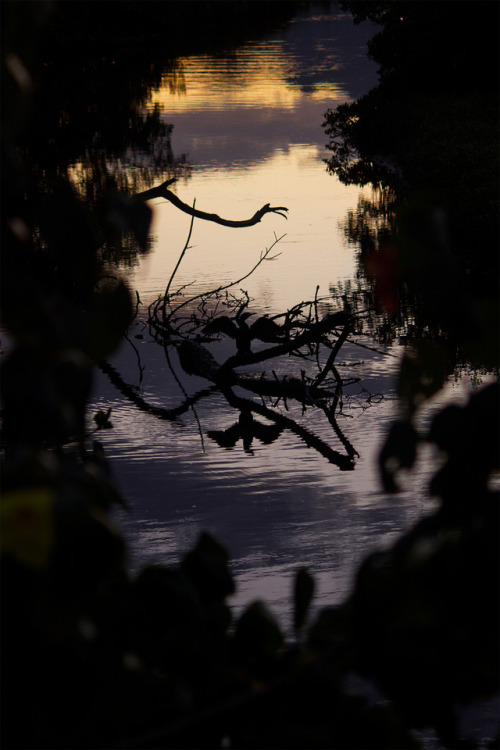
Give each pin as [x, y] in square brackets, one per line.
[90, 68]
[431, 125]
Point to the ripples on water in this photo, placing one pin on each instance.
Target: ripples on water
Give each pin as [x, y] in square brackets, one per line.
[276, 507]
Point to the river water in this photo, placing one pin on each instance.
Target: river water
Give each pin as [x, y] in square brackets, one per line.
[250, 124]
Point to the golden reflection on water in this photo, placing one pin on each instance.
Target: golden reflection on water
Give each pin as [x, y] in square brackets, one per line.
[258, 75]
[250, 123]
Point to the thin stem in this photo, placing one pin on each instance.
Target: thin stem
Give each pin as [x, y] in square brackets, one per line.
[186, 245]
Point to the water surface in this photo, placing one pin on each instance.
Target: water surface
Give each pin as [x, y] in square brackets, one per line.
[250, 124]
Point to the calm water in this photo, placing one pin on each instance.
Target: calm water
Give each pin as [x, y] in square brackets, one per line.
[250, 124]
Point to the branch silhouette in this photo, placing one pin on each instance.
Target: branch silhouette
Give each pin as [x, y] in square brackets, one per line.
[157, 411]
[344, 462]
[162, 191]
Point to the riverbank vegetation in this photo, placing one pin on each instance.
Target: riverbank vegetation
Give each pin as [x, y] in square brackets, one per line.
[427, 138]
[95, 657]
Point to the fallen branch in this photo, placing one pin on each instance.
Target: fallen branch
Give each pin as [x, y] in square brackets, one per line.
[311, 335]
[344, 462]
[157, 411]
[162, 191]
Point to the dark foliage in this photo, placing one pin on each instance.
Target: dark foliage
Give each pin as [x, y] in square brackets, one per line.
[95, 658]
[432, 122]
[427, 137]
[426, 613]
[429, 134]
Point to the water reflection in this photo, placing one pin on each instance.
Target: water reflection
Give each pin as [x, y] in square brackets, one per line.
[313, 249]
[265, 94]
[250, 124]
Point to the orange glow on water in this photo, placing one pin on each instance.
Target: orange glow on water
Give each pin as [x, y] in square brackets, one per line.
[258, 75]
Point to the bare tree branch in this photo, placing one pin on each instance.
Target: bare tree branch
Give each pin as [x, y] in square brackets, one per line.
[162, 191]
[164, 324]
[157, 411]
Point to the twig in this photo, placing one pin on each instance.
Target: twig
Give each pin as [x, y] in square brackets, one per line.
[184, 249]
[333, 354]
[139, 362]
[373, 349]
[191, 405]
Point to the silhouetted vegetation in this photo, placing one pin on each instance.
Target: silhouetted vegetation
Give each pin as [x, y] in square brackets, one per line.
[430, 128]
[93, 657]
[427, 138]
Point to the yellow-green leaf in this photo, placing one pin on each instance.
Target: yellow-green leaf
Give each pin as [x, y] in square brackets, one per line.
[27, 525]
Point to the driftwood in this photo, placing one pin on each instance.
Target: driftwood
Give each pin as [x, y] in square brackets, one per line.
[290, 333]
[197, 360]
[190, 322]
[162, 191]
